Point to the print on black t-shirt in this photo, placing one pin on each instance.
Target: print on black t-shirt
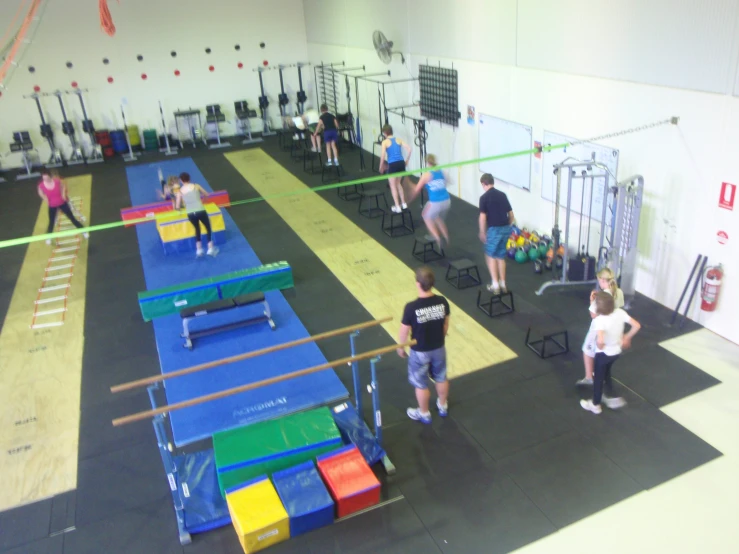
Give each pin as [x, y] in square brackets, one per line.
[328, 121]
[425, 317]
[494, 204]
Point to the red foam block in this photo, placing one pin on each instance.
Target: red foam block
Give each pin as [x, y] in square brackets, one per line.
[219, 198]
[349, 479]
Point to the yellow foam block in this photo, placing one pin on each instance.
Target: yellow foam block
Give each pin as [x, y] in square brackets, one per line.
[175, 225]
[257, 515]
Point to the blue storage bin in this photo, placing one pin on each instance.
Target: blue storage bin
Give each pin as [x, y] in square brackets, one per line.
[304, 497]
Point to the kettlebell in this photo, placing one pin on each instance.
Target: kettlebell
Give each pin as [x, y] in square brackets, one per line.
[537, 266]
[520, 241]
[548, 264]
[534, 254]
[521, 256]
[543, 248]
[560, 262]
[527, 246]
[512, 252]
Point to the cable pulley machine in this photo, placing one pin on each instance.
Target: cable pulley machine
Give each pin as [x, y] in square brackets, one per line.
[68, 129]
[96, 152]
[263, 105]
[55, 158]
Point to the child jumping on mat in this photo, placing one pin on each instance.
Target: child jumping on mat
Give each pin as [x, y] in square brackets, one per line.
[170, 186]
[436, 209]
[54, 192]
[191, 195]
[607, 283]
[392, 161]
[609, 342]
[328, 123]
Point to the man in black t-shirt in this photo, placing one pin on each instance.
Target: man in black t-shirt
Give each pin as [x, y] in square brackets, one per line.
[496, 218]
[427, 320]
[330, 127]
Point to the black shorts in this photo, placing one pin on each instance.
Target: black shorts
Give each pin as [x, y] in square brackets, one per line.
[396, 167]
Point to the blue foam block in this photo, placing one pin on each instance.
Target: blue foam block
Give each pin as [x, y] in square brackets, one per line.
[200, 422]
[304, 497]
[202, 503]
[354, 431]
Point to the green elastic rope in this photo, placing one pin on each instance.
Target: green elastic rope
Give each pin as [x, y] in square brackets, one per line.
[104, 226]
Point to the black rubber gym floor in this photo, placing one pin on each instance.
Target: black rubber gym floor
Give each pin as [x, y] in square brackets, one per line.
[505, 469]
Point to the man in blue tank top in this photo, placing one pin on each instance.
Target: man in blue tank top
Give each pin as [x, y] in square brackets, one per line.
[393, 161]
[437, 208]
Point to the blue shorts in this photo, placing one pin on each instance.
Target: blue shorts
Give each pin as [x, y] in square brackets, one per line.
[330, 135]
[425, 365]
[497, 238]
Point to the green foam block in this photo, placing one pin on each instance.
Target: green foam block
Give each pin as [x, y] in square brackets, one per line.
[170, 300]
[263, 448]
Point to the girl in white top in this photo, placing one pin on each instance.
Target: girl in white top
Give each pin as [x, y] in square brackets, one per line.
[607, 283]
[609, 343]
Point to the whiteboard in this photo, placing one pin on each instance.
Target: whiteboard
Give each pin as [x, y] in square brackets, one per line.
[498, 136]
[603, 154]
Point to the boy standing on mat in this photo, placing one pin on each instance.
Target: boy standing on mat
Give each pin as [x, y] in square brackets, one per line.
[427, 319]
[496, 218]
[330, 127]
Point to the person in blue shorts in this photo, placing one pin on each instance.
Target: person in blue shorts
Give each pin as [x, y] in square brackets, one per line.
[496, 218]
[328, 123]
[427, 321]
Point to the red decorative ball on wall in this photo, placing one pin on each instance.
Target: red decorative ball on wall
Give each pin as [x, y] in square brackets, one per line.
[177, 72]
[110, 79]
[265, 63]
[36, 88]
[211, 68]
[74, 84]
[240, 65]
[144, 76]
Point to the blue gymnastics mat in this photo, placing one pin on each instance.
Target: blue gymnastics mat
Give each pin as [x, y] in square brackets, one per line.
[200, 422]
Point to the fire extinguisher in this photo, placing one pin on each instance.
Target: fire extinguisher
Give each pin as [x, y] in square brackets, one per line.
[711, 287]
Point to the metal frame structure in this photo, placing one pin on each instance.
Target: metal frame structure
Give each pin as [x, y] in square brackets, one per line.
[55, 158]
[419, 129]
[263, 105]
[68, 129]
[619, 223]
[96, 152]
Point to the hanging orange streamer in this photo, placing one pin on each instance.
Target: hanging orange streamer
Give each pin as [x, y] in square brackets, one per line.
[12, 24]
[106, 20]
[19, 38]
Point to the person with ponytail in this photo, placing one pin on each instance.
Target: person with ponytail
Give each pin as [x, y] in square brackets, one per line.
[436, 209]
[607, 283]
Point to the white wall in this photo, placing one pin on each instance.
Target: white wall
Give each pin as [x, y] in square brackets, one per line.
[683, 165]
[152, 28]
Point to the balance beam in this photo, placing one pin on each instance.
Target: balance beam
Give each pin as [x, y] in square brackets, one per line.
[243, 388]
[253, 354]
[220, 198]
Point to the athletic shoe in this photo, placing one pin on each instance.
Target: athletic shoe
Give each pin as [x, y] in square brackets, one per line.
[199, 253]
[329, 163]
[443, 410]
[336, 162]
[395, 209]
[503, 289]
[416, 415]
[48, 241]
[589, 406]
[86, 235]
[213, 251]
[405, 206]
[494, 290]
[614, 403]
[584, 382]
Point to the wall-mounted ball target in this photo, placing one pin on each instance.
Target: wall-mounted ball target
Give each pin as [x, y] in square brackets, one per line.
[207, 50]
[262, 45]
[36, 88]
[173, 54]
[265, 63]
[106, 61]
[144, 76]
[176, 72]
[211, 68]
[31, 69]
[140, 58]
[74, 84]
[237, 47]
[69, 65]
[240, 65]
[110, 79]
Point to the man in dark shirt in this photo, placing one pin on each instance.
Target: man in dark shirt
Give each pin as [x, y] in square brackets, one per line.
[496, 218]
[330, 127]
[427, 319]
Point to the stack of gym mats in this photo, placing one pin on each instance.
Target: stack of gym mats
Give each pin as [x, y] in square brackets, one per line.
[263, 448]
[170, 300]
[350, 480]
[178, 234]
[304, 497]
[257, 514]
[219, 198]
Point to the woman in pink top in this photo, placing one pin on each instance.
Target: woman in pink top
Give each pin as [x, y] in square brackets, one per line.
[54, 192]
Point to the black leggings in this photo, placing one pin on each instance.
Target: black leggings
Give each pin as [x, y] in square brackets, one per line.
[66, 210]
[200, 217]
[602, 376]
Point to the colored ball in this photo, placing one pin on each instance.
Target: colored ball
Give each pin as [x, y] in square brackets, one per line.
[110, 79]
[74, 84]
[36, 88]
[176, 72]
[521, 256]
[144, 76]
[211, 68]
[240, 65]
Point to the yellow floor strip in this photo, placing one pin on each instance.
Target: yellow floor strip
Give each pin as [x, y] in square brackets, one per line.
[41, 372]
[374, 276]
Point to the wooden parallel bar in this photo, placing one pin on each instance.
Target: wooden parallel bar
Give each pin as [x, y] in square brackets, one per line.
[261, 352]
[243, 388]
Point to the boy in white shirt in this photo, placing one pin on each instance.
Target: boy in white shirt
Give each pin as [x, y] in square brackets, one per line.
[610, 341]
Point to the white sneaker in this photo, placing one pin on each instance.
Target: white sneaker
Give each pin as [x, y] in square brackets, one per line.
[199, 253]
[416, 415]
[395, 209]
[584, 382]
[443, 410]
[48, 241]
[589, 406]
[213, 251]
[329, 163]
[336, 162]
[405, 206]
[614, 403]
[494, 290]
[86, 235]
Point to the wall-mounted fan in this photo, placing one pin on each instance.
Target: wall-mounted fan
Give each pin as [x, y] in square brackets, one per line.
[384, 47]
